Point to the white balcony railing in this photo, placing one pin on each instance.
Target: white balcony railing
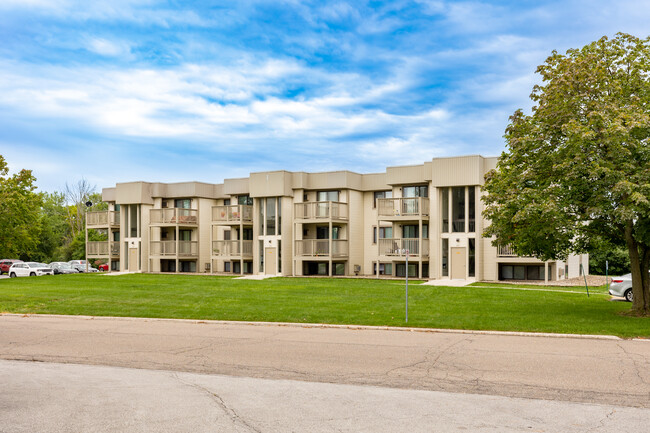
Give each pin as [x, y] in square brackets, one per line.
[400, 247]
[174, 215]
[234, 213]
[322, 210]
[403, 207]
[103, 218]
[232, 248]
[168, 248]
[321, 248]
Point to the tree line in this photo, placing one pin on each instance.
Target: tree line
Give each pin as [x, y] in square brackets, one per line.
[42, 226]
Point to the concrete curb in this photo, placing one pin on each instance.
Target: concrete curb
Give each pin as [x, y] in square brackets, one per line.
[331, 326]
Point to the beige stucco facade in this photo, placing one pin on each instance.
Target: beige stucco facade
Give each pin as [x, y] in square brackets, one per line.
[331, 223]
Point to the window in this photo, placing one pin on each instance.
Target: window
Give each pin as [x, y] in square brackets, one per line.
[226, 235]
[339, 268]
[400, 269]
[328, 195]
[384, 269]
[116, 208]
[381, 194]
[188, 266]
[445, 257]
[458, 209]
[384, 233]
[444, 204]
[410, 232]
[226, 267]
[415, 191]
[245, 199]
[226, 202]
[183, 203]
[248, 234]
[116, 236]
[472, 209]
[472, 257]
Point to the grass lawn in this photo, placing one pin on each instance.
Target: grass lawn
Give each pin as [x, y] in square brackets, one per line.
[324, 300]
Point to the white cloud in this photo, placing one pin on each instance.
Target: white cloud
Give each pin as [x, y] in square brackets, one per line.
[108, 48]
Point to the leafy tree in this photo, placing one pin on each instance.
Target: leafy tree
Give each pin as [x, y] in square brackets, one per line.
[54, 232]
[617, 258]
[19, 213]
[578, 168]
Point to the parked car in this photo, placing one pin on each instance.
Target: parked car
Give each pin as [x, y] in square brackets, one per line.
[62, 268]
[622, 286]
[5, 264]
[29, 269]
[103, 267]
[80, 266]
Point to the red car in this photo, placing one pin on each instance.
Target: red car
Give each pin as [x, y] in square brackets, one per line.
[103, 267]
[5, 264]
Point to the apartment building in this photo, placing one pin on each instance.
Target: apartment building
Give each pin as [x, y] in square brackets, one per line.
[422, 220]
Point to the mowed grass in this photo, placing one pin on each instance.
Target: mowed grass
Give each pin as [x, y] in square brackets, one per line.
[323, 300]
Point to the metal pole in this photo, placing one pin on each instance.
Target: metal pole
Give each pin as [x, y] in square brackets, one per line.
[407, 286]
[582, 270]
[607, 274]
[86, 218]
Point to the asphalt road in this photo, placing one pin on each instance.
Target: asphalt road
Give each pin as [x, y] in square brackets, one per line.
[61, 398]
[587, 370]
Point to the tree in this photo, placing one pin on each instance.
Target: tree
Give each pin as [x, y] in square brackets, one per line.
[54, 230]
[19, 213]
[577, 170]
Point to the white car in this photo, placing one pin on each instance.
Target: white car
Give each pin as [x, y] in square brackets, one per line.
[29, 269]
[622, 286]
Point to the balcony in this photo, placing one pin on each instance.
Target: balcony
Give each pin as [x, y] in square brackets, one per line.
[321, 210]
[101, 248]
[233, 214]
[177, 216]
[169, 248]
[398, 247]
[105, 218]
[321, 248]
[232, 248]
[403, 208]
[507, 251]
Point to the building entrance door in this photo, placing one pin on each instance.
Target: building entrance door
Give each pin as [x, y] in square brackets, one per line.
[458, 263]
[270, 261]
[133, 259]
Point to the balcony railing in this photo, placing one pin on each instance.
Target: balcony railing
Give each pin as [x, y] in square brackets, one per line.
[322, 210]
[100, 248]
[399, 247]
[403, 207]
[507, 251]
[103, 218]
[174, 215]
[168, 248]
[232, 248]
[234, 213]
[321, 248]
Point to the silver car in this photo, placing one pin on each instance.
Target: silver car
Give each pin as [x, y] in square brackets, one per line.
[622, 286]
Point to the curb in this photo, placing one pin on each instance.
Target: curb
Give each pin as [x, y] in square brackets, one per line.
[332, 326]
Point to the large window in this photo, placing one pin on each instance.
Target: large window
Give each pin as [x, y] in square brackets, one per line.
[445, 257]
[444, 204]
[245, 199]
[328, 196]
[183, 203]
[415, 191]
[381, 194]
[270, 216]
[472, 257]
[458, 209]
[384, 233]
[472, 209]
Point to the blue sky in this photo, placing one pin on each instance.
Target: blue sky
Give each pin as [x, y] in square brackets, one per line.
[178, 90]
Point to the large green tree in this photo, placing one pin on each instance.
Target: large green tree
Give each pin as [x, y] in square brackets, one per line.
[577, 169]
[19, 213]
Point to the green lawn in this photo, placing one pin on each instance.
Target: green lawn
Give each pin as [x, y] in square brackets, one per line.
[323, 300]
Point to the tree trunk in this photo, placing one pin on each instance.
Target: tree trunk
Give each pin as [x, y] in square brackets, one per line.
[640, 267]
